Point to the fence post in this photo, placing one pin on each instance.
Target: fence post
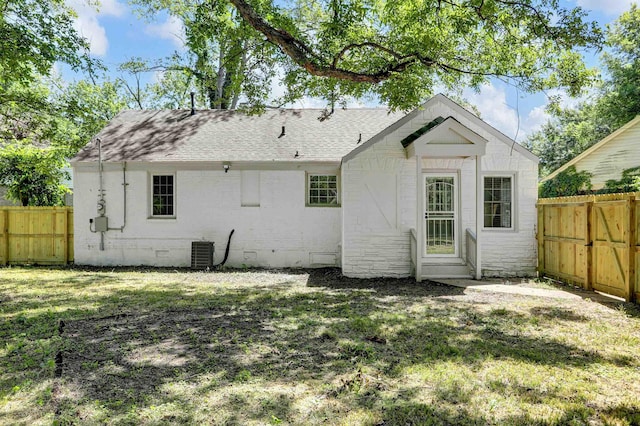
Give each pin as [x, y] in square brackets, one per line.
[588, 246]
[540, 238]
[66, 235]
[631, 213]
[5, 236]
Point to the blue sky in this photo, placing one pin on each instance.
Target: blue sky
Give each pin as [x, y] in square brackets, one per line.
[116, 34]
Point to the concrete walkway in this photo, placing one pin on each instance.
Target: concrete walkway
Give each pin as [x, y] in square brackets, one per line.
[527, 288]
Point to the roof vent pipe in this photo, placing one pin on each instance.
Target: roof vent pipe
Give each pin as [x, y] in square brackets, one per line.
[193, 103]
[282, 134]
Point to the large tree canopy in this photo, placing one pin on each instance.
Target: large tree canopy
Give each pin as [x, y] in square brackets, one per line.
[35, 34]
[616, 101]
[226, 60]
[401, 49]
[398, 51]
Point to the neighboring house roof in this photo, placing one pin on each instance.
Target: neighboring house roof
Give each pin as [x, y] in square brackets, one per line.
[462, 112]
[217, 135]
[608, 158]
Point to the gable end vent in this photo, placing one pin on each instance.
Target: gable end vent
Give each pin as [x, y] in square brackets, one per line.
[202, 254]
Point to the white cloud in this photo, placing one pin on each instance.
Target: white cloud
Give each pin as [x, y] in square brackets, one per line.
[497, 111]
[610, 7]
[494, 109]
[534, 120]
[171, 29]
[88, 25]
[111, 8]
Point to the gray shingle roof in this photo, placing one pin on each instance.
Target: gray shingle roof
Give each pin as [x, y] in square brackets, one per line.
[214, 135]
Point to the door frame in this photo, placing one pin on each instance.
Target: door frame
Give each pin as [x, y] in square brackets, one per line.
[456, 211]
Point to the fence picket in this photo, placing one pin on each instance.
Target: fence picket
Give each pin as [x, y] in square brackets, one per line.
[40, 235]
[592, 241]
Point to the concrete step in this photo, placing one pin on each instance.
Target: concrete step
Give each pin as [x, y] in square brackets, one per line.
[431, 271]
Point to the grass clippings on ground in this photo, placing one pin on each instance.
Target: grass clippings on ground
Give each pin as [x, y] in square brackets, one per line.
[306, 347]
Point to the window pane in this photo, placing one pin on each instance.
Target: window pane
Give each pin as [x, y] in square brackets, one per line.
[439, 193]
[497, 202]
[323, 190]
[162, 195]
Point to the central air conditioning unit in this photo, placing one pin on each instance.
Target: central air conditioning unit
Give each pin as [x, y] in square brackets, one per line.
[202, 254]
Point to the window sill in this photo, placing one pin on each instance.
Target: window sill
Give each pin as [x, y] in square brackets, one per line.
[500, 230]
[160, 218]
[323, 205]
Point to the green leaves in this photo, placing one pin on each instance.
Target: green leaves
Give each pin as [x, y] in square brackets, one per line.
[83, 108]
[567, 183]
[33, 175]
[616, 101]
[34, 34]
[396, 51]
[568, 133]
[629, 182]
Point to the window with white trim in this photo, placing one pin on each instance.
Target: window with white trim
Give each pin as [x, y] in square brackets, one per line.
[163, 196]
[498, 202]
[322, 190]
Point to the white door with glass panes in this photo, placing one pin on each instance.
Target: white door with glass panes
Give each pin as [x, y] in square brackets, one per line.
[441, 214]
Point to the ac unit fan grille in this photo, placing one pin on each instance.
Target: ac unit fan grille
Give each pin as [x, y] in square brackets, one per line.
[202, 254]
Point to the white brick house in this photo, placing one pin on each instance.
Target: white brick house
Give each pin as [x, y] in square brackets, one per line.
[436, 192]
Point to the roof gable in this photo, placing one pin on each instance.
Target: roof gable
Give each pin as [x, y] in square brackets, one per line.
[445, 138]
[594, 148]
[460, 113]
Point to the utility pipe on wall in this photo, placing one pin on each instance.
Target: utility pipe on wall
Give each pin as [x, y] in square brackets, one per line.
[124, 198]
[101, 206]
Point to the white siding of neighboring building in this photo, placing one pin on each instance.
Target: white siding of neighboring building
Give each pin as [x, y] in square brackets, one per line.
[280, 232]
[379, 204]
[611, 159]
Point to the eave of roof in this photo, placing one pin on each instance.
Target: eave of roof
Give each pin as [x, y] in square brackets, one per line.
[161, 136]
[592, 149]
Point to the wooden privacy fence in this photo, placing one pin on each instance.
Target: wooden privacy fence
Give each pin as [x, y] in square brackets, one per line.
[592, 241]
[38, 235]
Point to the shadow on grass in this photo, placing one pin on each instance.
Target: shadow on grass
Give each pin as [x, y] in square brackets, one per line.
[243, 352]
[556, 313]
[126, 361]
[631, 309]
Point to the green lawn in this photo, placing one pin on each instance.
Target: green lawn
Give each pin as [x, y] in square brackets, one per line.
[179, 347]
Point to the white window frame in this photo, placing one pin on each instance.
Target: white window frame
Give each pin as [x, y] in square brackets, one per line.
[513, 211]
[150, 192]
[308, 190]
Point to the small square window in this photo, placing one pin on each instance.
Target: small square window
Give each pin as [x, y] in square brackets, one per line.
[322, 190]
[498, 202]
[162, 196]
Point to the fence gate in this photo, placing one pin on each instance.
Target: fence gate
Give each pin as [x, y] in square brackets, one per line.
[611, 231]
[592, 241]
